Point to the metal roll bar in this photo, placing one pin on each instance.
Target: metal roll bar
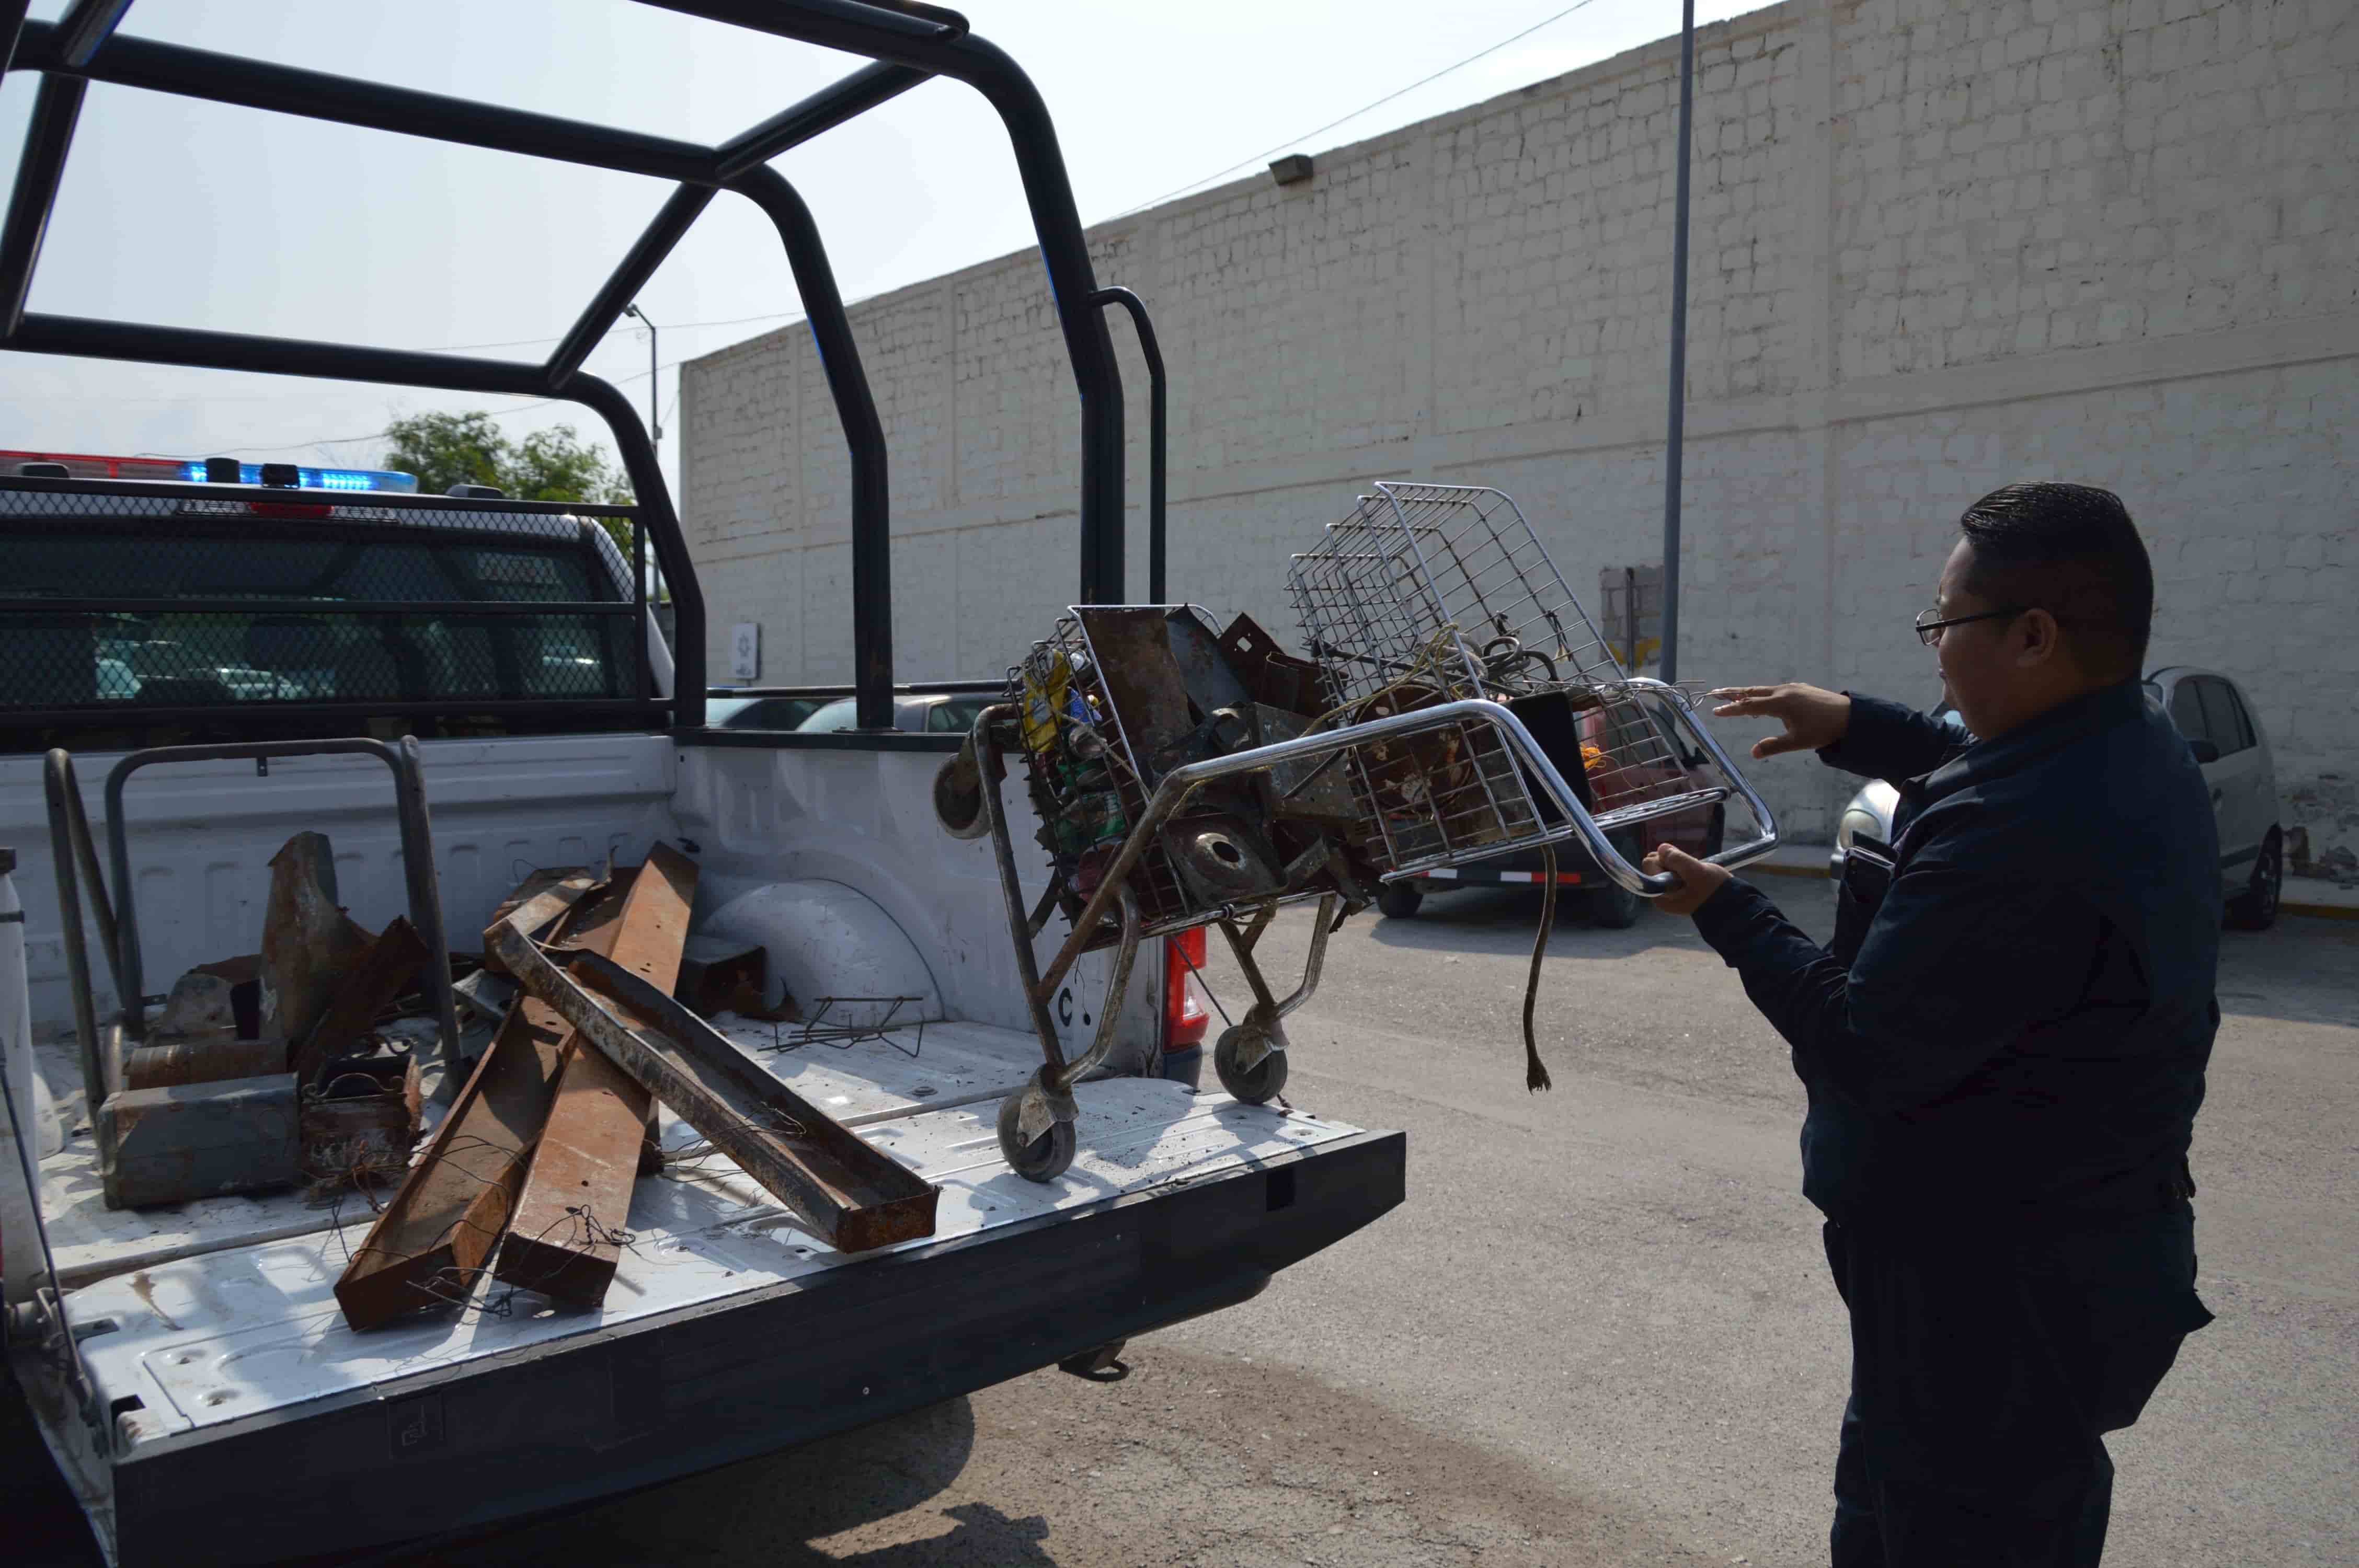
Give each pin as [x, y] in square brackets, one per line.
[74, 861]
[908, 43]
[402, 759]
[1156, 419]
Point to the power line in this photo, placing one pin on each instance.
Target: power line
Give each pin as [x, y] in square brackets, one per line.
[1378, 103]
[682, 326]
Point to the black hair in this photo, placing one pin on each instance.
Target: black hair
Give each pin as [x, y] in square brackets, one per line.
[2072, 550]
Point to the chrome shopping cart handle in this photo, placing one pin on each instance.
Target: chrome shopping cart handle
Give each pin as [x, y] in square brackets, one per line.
[1740, 855]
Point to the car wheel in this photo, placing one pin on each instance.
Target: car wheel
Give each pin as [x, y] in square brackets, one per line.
[1611, 905]
[2256, 908]
[1398, 901]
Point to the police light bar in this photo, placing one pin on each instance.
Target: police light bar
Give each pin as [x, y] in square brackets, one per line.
[318, 479]
[177, 470]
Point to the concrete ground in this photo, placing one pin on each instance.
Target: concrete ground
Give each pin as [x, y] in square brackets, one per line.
[1600, 1330]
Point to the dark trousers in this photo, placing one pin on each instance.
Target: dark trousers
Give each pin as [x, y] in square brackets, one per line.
[1983, 1377]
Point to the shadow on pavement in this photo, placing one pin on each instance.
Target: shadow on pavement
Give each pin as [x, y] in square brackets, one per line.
[771, 1510]
[1501, 920]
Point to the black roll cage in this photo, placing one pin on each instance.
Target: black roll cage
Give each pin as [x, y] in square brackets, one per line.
[907, 42]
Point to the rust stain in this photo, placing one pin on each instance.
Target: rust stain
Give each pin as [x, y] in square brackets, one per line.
[145, 1289]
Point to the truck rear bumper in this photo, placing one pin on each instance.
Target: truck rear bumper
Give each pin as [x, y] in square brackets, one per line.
[461, 1450]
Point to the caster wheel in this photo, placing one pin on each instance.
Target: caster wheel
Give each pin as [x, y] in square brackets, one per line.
[1046, 1157]
[1252, 1084]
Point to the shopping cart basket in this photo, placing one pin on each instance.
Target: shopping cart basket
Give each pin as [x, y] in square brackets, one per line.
[1426, 594]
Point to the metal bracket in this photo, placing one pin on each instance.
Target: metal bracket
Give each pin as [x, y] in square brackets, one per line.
[1042, 1108]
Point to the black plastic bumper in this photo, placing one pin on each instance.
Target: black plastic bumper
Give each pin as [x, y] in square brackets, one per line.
[455, 1452]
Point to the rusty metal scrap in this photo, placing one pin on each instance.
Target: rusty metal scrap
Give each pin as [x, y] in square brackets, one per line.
[1275, 677]
[206, 1061]
[392, 961]
[244, 977]
[309, 944]
[539, 899]
[428, 1245]
[565, 1237]
[1143, 682]
[198, 1009]
[359, 1122]
[720, 975]
[844, 1192]
[182, 1142]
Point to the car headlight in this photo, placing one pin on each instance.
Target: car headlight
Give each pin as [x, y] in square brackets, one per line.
[1857, 820]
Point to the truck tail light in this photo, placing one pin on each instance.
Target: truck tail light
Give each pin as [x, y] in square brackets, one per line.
[1184, 1018]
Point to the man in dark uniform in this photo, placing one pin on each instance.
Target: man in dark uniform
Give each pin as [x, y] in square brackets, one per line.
[2004, 1046]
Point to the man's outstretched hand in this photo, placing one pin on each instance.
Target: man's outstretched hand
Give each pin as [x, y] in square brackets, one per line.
[1699, 879]
[1813, 718]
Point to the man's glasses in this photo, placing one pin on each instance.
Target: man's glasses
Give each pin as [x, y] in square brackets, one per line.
[1930, 624]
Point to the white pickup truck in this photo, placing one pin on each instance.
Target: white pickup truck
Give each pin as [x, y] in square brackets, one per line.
[189, 1366]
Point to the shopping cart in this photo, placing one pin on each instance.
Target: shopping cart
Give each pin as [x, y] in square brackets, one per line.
[1428, 594]
[1186, 775]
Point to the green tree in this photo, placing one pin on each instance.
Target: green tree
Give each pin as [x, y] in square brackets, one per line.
[553, 464]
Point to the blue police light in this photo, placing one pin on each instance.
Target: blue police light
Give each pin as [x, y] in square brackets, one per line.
[322, 479]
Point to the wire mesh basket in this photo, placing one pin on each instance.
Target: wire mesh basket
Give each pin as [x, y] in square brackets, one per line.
[1429, 593]
[1115, 699]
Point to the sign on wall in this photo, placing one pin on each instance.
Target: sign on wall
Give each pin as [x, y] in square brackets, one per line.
[746, 651]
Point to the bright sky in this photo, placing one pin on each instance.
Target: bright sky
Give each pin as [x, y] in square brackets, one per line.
[197, 214]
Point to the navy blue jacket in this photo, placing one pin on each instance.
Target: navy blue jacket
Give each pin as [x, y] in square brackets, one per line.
[2021, 1039]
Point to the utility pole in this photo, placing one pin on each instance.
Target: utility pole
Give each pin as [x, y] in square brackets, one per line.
[655, 420]
[1678, 423]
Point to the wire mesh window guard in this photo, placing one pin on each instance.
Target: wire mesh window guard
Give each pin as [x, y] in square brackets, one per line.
[121, 598]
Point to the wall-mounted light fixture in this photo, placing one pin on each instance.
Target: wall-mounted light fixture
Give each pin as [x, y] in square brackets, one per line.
[1292, 169]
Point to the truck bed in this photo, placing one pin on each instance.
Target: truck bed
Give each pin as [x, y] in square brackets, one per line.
[240, 1348]
[201, 1339]
[237, 1419]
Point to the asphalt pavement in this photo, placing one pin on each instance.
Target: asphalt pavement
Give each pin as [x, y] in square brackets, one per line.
[1599, 1331]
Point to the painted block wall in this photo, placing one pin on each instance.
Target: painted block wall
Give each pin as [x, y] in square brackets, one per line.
[1937, 245]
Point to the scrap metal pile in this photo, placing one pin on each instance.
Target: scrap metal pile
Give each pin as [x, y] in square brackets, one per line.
[298, 1066]
[1456, 704]
[539, 1153]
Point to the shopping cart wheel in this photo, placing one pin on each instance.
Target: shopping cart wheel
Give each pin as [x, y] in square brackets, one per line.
[1252, 1084]
[1046, 1157]
[1398, 901]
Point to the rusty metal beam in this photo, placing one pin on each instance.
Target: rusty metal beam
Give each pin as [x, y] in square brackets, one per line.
[428, 1245]
[846, 1192]
[540, 897]
[564, 1239]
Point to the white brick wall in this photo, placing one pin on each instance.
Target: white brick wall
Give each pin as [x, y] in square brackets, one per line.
[1937, 245]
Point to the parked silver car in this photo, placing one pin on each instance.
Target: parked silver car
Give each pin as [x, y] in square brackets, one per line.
[932, 713]
[2230, 746]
